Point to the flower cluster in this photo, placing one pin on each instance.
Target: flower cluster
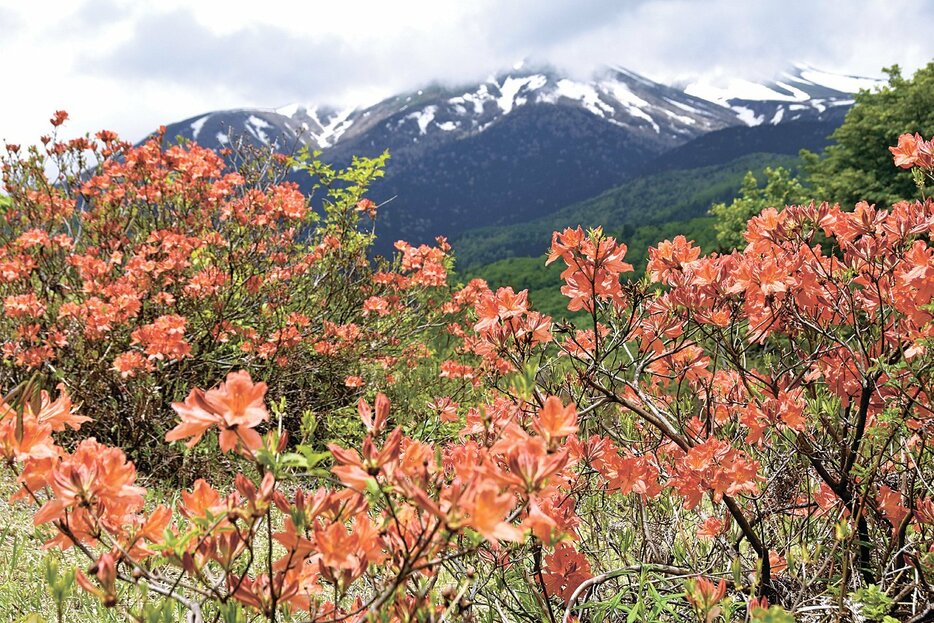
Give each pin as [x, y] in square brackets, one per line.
[702, 431]
[160, 261]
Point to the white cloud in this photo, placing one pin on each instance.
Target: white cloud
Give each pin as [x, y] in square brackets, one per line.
[130, 66]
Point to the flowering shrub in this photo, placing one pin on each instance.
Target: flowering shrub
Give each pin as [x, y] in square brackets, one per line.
[135, 273]
[730, 438]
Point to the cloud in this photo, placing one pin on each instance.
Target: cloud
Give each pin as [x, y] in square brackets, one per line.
[131, 66]
[664, 38]
[260, 61]
[9, 20]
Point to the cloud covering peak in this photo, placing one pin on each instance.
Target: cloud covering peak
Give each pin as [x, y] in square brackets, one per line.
[130, 66]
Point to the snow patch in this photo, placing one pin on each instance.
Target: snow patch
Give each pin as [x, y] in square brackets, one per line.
[846, 84]
[798, 94]
[683, 106]
[748, 116]
[289, 111]
[778, 116]
[423, 118]
[735, 89]
[511, 88]
[447, 126]
[682, 118]
[333, 128]
[258, 123]
[256, 127]
[477, 99]
[623, 94]
[222, 138]
[630, 101]
[586, 94]
[197, 125]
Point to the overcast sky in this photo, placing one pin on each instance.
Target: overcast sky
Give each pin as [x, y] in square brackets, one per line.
[132, 65]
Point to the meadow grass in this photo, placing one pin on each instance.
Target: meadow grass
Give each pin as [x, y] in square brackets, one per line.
[24, 596]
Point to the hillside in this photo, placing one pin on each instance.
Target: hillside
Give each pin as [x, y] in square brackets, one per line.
[728, 144]
[669, 197]
[639, 212]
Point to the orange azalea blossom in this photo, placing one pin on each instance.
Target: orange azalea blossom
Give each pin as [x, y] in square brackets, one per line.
[105, 571]
[565, 570]
[555, 421]
[912, 151]
[28, 440]
[594, 265]
[345, 556]
[531, 465]
[28, 434]
[202, 501]
[261, 593]
[59, 414]
[374, 425]
[487, 509]
[235, 406]
[355, 470]
[96, 486]
[717, 467]
[704, 596]
[628, 473]
[164, 338]
[130, 364]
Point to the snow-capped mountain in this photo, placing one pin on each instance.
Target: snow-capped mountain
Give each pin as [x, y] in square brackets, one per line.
[658, 113]
[661, 114]
[530, 141]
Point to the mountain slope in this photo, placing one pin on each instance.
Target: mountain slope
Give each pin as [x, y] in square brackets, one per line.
[529, 142]
[542, 159]
[676, 195]
[728, 144]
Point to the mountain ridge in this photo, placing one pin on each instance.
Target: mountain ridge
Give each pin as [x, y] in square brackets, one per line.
[616, 95]
[523, 143]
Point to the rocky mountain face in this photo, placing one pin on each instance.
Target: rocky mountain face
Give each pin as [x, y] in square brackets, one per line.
[527, 142]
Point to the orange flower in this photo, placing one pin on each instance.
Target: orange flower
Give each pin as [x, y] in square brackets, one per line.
[130, 364]
[906, 152]
[354, 470]
[105, 570]
[164, 338]
[530, 463]
[565, 570]
[202, 501]
[704, 596]
[711, 528]
[29, 434]
[374, 425]
[235, 406]
[97, 485]
[31, 440]
[487, 515]
[555, 420]
[344, 556]
[59, 413]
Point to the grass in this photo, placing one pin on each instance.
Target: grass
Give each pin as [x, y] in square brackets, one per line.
[24, 596]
